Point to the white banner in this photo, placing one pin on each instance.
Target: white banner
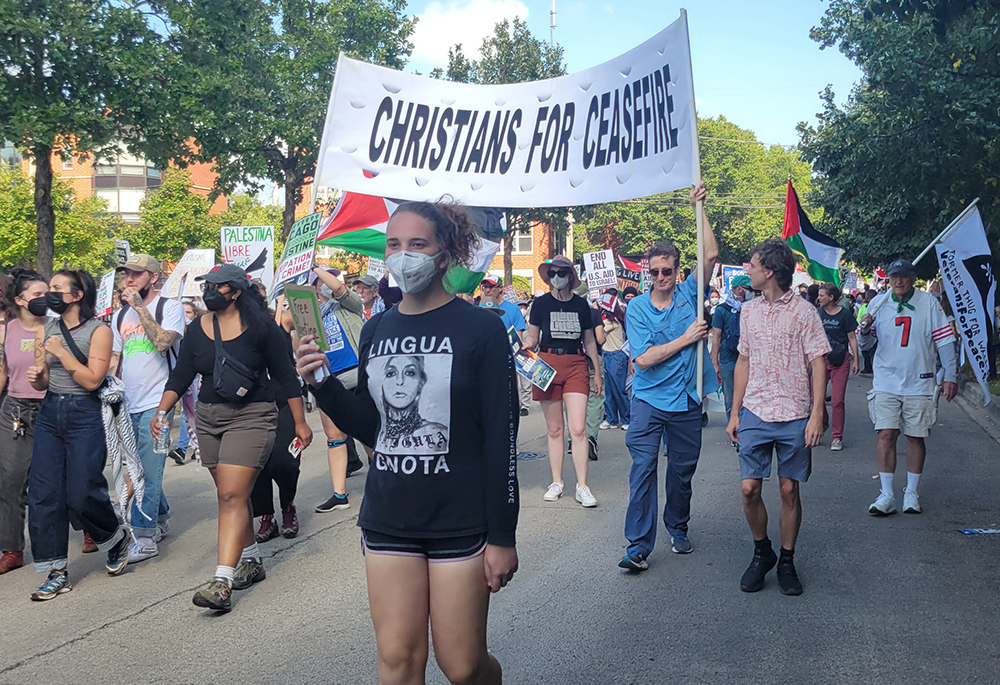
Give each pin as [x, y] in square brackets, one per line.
[193, 263]
[252, 249]
[600, 269]
[621, 130]
[105, 294]
[964, 258]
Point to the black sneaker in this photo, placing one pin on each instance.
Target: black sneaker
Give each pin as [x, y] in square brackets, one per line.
[177, 454]
[594, 449]
[788, 579]
[753, 577]
[333, 504]
[118, 556]
[633, 563]
[524, 412]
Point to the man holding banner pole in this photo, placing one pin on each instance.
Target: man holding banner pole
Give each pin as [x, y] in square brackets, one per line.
[665, 327]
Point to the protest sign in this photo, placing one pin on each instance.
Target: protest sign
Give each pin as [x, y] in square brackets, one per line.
[629, 273]
[509, 293]
[123, 252]
[621, 130]
[105, 295]
[645, 281]
[729, 273]
[300, 249]
[851, 282]
[252, 249]
[304, 305]
[376, 267]
[529, 364]
[600, 268]
[193, 263]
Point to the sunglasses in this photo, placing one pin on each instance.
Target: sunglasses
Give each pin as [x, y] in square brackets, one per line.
[667, 273]
[561, 272]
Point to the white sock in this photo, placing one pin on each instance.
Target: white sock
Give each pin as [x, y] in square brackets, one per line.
[911, 482]
[225, 573]
[886, 483]
[251, 552]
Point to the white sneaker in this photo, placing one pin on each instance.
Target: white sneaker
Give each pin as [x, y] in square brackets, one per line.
[554, 492]
[836, 445]
[883, 506]
[605, 425]
[585, 497]
[141, 549]
[911, 503]
[162, 531]
[624, 426]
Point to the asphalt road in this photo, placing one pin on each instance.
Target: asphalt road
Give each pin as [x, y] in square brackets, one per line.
[905, 599]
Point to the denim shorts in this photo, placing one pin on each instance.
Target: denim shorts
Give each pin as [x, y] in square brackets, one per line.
[759, 439]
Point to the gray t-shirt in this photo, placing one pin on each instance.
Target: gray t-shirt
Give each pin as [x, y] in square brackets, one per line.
[60, 382]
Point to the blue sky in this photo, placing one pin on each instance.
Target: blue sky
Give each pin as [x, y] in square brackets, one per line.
[753, 60]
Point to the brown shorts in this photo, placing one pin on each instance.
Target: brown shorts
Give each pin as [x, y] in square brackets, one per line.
[572, 375]
[236, 434]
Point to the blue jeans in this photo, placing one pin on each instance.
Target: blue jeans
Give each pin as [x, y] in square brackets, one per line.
[67, 476]
[616, 400]
[153, 509]
[681, 432]
[727, 371]
[184, 439]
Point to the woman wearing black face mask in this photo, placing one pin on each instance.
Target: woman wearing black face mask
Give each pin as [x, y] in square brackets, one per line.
[560, 327]
[236, 422]
[69, 451]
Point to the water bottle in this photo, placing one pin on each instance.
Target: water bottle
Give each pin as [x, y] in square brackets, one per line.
[162, 445]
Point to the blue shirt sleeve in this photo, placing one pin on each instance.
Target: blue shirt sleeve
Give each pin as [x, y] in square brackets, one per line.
[719, 317]
[640, 338]
[514, 315]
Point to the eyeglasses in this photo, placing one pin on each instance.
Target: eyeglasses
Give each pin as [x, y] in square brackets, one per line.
[561, 272]
[490, 286]
[667, 273]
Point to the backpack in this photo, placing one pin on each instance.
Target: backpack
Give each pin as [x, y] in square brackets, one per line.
[158, 316]
[730, 334]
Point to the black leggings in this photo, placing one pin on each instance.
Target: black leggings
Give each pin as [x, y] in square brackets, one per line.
[281, 468]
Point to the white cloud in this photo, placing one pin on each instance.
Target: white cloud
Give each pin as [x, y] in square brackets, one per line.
[609, 9]
[443, 24]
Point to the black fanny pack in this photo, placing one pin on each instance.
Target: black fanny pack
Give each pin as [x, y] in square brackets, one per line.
[232, 379]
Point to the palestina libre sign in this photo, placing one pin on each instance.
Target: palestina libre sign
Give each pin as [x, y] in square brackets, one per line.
[621, 130]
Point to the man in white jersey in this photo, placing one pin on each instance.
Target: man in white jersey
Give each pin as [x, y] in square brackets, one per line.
[912, 331]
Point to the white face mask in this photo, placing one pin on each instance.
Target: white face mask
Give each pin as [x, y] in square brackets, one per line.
[559, 282]
[748, 295]
[412, 271]
[325, 291]
[714, 300]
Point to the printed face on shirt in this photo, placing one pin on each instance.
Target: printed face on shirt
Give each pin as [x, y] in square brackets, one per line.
[404, 378]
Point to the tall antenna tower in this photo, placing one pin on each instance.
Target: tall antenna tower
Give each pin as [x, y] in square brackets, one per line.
[552, 25]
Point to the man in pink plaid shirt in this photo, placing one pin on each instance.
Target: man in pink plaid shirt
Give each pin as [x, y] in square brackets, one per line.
[778, 398]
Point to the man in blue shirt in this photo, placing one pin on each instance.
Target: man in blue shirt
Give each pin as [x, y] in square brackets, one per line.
[491, 288]
[726, 336]
[664, 326]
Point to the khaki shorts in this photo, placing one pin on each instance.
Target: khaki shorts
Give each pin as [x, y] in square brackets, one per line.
[912, 414]
[236, 434]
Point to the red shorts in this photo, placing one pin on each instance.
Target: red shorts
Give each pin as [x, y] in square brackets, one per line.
[572, 375]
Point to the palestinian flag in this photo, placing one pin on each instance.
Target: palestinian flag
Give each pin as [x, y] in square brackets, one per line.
[821, 253]
[358, 225]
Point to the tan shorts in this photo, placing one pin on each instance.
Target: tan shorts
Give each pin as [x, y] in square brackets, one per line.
[912, 414]
[236, 434]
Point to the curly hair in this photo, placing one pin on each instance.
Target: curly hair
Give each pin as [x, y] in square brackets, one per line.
[453, 229]
[774, 254]
[16, 283]
[664, 248]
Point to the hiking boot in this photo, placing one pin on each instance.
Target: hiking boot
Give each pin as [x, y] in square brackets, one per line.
[217, 595]
[788, 579]
[289, 522]
[593, 449]
[56, 584]
[178, 455]
[333, 504]
[753, 577]
[268, 529]
[11, 560]
[633, 563]
[248, 572]
[89, 546]
[118, 556]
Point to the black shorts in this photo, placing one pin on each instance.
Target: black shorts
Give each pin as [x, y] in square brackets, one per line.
[431, 549]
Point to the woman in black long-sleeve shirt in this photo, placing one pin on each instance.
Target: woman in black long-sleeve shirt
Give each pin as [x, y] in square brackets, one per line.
[235, 438]
[437, 400]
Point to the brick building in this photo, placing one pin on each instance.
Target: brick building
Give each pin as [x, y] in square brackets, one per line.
[530, 248]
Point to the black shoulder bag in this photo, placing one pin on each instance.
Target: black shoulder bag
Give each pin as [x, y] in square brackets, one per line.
[232, 379]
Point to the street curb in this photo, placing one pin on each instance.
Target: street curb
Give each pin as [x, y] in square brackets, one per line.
[970, 398]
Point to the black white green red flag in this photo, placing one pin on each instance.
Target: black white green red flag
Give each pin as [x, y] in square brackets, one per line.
[821, 253]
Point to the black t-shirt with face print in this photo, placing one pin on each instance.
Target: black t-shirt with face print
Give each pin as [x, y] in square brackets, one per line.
[437, 400]
[562, 323]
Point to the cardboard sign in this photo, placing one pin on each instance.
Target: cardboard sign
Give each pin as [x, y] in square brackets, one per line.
[376, 267]
[105, 294]
[194, 263]
[123, 252]
[304, 305]
[252, 249]
[509, 293]
[300, 249]
[601, 271]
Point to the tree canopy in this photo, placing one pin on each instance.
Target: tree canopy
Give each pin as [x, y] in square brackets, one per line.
[918, 138]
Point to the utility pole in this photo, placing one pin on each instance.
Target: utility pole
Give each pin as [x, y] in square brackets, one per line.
[552, 26]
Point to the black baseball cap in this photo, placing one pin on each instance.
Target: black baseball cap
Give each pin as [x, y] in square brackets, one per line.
[226, 273]
[900, 267]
